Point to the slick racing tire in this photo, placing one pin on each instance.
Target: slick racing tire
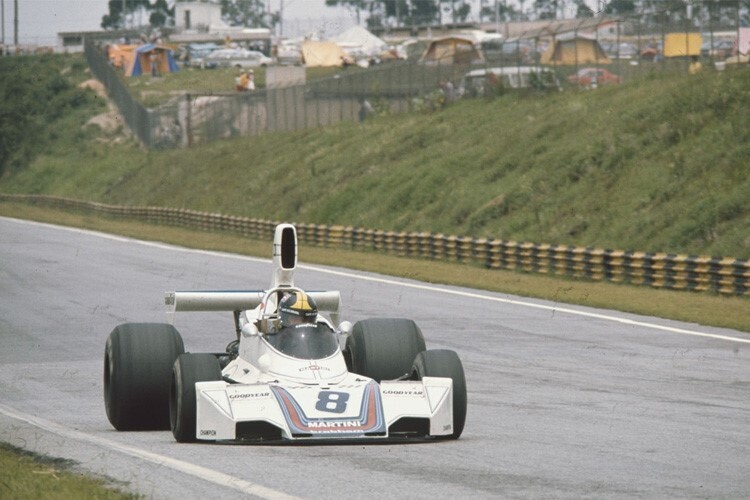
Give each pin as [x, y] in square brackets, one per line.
[189, 369]
[384, 348]
[138, 360]
[445, 363]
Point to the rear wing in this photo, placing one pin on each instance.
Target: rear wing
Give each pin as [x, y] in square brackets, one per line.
[237, 300]
[284, 264]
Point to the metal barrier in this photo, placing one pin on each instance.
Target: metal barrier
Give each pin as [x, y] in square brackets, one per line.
[659, 270]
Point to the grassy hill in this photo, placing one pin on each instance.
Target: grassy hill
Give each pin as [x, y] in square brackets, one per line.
[658, 164]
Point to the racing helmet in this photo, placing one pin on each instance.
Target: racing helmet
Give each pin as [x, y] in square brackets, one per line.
[297, 308]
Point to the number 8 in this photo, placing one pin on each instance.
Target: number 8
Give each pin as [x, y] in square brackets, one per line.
[333, 402]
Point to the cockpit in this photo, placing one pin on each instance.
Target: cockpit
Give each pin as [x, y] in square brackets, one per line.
[304, 341]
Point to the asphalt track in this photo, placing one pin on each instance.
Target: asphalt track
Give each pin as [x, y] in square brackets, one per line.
[564, 402]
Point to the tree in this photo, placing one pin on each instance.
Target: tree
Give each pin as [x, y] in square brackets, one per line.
[250, 13]
[161, 14]
[356, 5]
[459, 11]
[620, 7]
[546, 9]
[119, 10]
[403, 12]
[583, 10]
[504, 12]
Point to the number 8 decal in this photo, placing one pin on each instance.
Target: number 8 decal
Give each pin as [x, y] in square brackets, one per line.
[333, 402]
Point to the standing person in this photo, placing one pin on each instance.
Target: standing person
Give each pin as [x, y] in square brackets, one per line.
[242, 82]
[695, 66]
[250, 85]
[154, 61]
[365, 109]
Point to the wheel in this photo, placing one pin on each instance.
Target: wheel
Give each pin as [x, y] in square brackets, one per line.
[445, 363]
[138, 360]
[384, 348]
[188, 369]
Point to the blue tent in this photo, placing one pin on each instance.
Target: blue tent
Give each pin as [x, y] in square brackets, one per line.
[148, 55]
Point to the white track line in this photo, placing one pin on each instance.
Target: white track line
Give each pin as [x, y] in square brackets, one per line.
[218, 478]
[553, 308]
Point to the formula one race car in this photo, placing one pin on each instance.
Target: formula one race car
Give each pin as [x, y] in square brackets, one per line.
[285, 377]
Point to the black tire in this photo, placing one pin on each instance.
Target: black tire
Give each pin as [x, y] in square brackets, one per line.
[384, 348]
[445, 363]
[138, 360]
[187, 370]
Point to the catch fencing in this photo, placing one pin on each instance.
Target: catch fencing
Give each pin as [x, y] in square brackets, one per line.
[634, 47]
[725, 275]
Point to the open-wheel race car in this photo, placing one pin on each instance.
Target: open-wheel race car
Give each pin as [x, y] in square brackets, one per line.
[286, 376]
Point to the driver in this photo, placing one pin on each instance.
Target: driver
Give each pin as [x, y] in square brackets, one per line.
[300, 335]
[297, 308]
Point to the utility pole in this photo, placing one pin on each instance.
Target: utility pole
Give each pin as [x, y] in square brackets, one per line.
[15, 23]
[2, 9]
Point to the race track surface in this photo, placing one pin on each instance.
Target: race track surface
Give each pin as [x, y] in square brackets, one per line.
[564, 402]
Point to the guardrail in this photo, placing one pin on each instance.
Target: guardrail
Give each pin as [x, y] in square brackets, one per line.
[660, 270]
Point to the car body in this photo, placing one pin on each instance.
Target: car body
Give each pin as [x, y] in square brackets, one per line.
[720, 48]
[239, 58]
[195, 54]
[593, 77]
[652, 51]
[480, 82]
[623, 50]
[328, 380]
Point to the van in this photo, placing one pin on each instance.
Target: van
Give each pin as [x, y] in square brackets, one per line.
[485, 81]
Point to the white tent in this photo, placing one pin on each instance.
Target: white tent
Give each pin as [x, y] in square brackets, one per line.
[359, 42]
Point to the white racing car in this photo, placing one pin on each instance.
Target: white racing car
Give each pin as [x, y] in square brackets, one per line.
[285, 377]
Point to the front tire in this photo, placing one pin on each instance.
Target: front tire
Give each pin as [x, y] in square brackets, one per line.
[187, 370]
[138, 359]
[445, 363]
[384, 348]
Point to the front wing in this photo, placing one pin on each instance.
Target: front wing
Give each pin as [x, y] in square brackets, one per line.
[357, 409]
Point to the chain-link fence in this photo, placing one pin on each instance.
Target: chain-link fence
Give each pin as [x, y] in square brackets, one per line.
[576, 53]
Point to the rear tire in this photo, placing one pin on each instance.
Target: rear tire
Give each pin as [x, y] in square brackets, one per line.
[384, 348]
[138, 359]
[187, 370]
[445, 363]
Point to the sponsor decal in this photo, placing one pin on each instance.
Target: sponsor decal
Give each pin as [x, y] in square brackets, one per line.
[208, 432]
[250, 395]
[333, 424]
[369, 420]
[314, 368]
[403, 392]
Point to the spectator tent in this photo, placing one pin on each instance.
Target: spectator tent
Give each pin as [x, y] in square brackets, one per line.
[149, 54]
[682, 44]
[574, 50]
[452, 50]
[322, 54]
[359, 42]
[136, 60]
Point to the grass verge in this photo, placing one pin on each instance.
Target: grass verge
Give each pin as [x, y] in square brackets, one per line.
[700, 308]
[27, 475]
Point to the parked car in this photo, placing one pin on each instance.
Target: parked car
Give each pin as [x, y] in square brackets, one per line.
[623, 50]
[652, 51]
[593, 77]
[481, 82]
[195, 54]
[239, 58]
[720, 49]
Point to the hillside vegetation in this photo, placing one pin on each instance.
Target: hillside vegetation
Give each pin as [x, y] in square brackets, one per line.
[657, 164]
